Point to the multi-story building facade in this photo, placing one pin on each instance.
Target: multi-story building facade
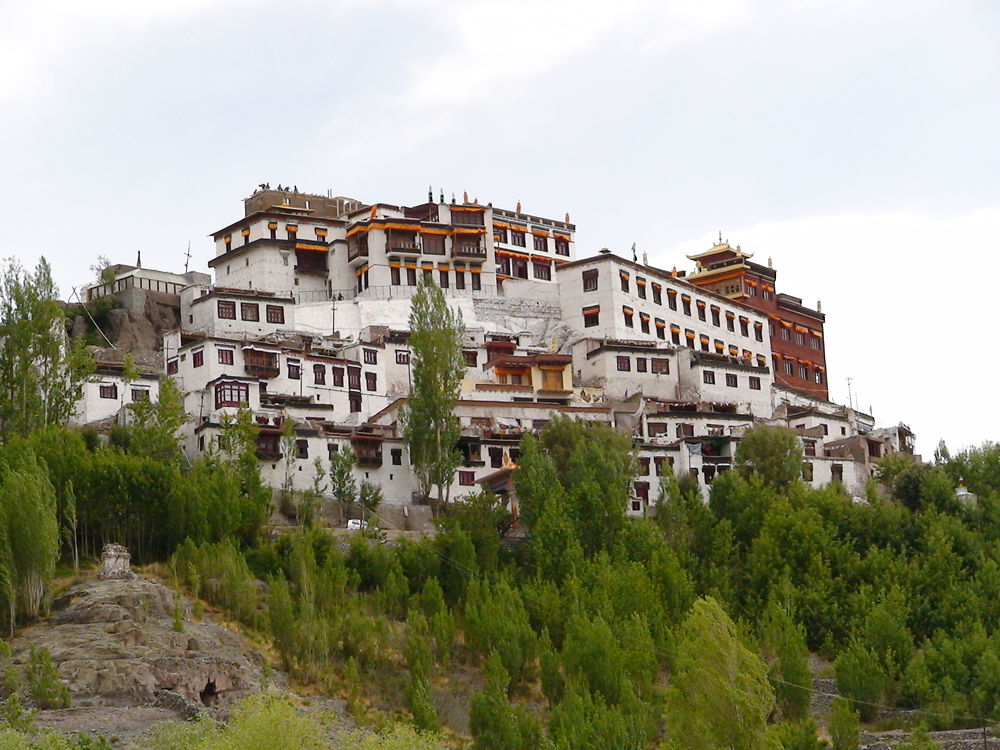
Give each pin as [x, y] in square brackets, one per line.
[798, 351]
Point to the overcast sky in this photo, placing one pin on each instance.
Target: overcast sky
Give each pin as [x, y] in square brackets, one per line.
[854, 142]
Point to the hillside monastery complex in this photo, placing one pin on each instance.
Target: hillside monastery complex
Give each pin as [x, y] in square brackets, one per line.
[307, 320]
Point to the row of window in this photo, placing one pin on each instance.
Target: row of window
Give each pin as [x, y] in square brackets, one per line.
[540, 243]
[657, 365]
[110, 390]
[799, 337]
[291, 230]
[234, 393]
[703, 310]
[732, 380]
[517, 268]
[444, 277]
[251, 311]
[802, 372]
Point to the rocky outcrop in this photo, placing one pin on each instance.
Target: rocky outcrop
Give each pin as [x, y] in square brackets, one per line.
[113, 643]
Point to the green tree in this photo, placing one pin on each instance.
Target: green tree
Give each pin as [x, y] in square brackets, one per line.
[155, 426]
[430, 426]
[719, 695]
[773, 453]
[41, 371]
[369, 497]
[861, 678]
[47, 690]
[494, 723]
[783, 644]
[343, 485]
[843, 725]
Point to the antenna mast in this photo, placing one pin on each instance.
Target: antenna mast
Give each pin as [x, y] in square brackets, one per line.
[187, 257]
[850, 398]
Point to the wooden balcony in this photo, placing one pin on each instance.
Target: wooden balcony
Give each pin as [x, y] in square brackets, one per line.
[356, 251]
[469, 251]
[394, 245]
[260, 366]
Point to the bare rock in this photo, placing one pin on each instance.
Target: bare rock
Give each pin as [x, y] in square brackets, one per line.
[113, 643]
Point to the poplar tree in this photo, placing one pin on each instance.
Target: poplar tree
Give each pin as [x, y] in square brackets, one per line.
[430, 427]
[41, 372]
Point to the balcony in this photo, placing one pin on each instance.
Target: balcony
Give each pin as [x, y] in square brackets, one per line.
[357, 251]
[468, 250]
[402, 242]
[260, 366]
[367, 450]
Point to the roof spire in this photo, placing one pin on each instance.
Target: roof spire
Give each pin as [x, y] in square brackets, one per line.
[720, 237]
[430, 193]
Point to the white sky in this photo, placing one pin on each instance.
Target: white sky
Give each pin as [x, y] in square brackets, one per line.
[853, 141]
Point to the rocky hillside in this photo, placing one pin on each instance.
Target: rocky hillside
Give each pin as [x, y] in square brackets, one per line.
[115, 645]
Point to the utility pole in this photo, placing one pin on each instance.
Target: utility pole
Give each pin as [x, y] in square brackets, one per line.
[850, 398]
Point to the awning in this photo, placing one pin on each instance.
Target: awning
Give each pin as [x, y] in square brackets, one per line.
[671, 291]
[640, 281]
[660, 324]
[311, 246]
[627, 310]
[259, 348]
[686, 297]
[786, 324]
[564, 237]
[734, 350]
[592, 310]
[506, 422]
[675, 328]
[432, 230]
[644, 316]
[624, 275]
[703, 338]
[689, 334]
[730, 314]
[539, 233]
[719, 346]
[700, 303]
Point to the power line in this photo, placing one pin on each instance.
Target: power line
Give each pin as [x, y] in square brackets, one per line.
[84, 306]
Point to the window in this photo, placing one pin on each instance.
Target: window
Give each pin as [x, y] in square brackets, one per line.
[731, 380]
[744, 327]
[477, 282]
[672, 299]
[294, 370]
[402, 357]
[355, 402]
[675, 335]
[644, 322]
[140, 394]
[640, 287]
[730, 322]
[625, 279]
[818, 377]
[643, 466]
[371, 381]
[661, 328]
[701, 310]
[500, 234]
[659, 365]
[332, 449]
[397, 456]
[443, 274]
[789, 368]
[562, 246]
[627, 313]
[540, 243]
[394, 277]
[231, 394]
[640, 364]
[807, 471]
[172, 367]
[517, 237]
[338, 376]
[685, 430]
[371, 357]
[800, 338]
[411, 276]
[708, 376]
[225, 356]
[275, 314]
[686, 304]
[624, 364]
[814, 342]
[715, 316]
[109, 391]
[809, 447]
[460, 278]
[836, 472]
[227, 310]
[803, 372]
[466, 478]
[249, 311]
[785, 334]
[754, 383]
[471, 357]
[591, 316]
[543, 271]
[496, 457]
[758, 331]
[689, 336]
[198, 358]
[302, 448]
[354, 379]
[319, 374]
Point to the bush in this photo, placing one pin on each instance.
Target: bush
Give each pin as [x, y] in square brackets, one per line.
[46, 688]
